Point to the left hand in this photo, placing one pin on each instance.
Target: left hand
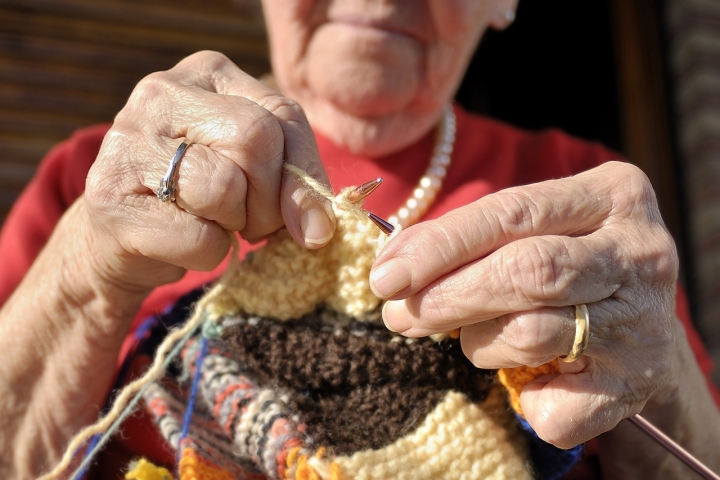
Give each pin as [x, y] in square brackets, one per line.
[507, 270]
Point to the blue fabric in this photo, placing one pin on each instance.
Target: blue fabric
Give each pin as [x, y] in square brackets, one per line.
[550, 462]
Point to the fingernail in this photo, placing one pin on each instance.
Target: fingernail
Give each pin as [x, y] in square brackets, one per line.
[315, 226]
[395, 316]
[390, 277]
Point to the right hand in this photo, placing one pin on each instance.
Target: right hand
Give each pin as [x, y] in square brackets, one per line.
[230, 179]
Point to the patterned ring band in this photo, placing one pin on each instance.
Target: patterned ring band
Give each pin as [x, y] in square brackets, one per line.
[582, 333]
[166, 191]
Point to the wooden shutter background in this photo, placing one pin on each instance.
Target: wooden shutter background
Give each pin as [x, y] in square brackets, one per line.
[65, 64]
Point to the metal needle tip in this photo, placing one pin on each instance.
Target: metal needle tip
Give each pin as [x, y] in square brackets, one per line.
[386, 227]
[364, 190]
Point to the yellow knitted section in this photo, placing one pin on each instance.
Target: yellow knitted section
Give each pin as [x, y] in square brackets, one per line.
[310, 467]
[457, 440]
[192, 467]
[144, 470]
[284, 280]
[515, 379]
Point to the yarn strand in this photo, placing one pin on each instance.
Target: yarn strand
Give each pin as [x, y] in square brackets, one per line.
[127, 410]
[123, 403]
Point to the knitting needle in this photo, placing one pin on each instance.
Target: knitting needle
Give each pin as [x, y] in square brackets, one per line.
[364, 190]
[673, 447]
[386, 227]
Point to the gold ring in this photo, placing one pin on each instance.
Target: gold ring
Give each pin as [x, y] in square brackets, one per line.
[582, 333]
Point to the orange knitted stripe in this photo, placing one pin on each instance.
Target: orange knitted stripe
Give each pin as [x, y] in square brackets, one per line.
[515, 379]
[194, 467]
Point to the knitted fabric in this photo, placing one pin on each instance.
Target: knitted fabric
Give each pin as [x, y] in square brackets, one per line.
[284, 280]
[515, 379]
[144, 470]
[250, 419]
[307, 384]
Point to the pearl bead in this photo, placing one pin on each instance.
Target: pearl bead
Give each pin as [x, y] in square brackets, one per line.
[430, 183]
[438, 172]
[443, 160]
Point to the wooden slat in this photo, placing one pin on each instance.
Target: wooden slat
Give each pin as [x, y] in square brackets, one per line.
[23, 149]
[199, 19]
[55, 126]
[49, 100]
[43, 50]
[118, 34]
[14, 174]
[64, 76]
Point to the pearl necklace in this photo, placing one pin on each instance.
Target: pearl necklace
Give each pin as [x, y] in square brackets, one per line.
[430, 184]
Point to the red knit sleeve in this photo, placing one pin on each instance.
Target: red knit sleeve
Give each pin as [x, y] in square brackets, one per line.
[59, 181]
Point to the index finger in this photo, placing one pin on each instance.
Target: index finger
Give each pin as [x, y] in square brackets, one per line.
[427, 251]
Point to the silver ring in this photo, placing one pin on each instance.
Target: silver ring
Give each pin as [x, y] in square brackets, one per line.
[166, 191]
[582, 334]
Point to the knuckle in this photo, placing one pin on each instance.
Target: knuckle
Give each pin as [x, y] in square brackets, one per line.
[514, 212]
[529, 339]
[211, 59]
[637, 195]
[226, 190]
[540, 271]
[262, 139]
[205, 62]
[284, 108]
[145, 95]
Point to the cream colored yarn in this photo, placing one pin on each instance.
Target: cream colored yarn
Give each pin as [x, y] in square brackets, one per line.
[458, 440]
[283, 280]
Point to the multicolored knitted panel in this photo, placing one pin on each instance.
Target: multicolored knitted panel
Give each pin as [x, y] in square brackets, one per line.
[307, 383]
[305, 399]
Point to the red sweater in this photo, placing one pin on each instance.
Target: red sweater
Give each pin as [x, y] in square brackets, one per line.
[489, 156]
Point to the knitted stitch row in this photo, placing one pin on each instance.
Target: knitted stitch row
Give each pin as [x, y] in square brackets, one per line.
[459, 438]
[284, 280]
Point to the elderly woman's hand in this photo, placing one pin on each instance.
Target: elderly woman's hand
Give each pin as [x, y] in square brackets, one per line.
[64, 324]
[508, 270]
[230, 178]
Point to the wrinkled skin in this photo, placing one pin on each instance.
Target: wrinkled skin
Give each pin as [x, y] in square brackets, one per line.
[373, 77]
[509, 267]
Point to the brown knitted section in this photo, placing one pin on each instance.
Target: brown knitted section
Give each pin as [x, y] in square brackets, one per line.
[358, 386]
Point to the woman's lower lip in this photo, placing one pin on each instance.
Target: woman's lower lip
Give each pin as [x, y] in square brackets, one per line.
[381, 29]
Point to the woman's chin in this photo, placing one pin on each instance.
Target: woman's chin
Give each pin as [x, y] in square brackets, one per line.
[365, 90]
